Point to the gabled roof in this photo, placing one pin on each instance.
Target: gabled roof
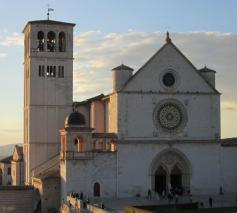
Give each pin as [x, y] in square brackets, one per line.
[49, 174]
[169, 42]
[229, 142]
[48, 22]
[123, 67]
[6, 160]
[206, 69]
[17, 153]
[19, 149]
[89, 100]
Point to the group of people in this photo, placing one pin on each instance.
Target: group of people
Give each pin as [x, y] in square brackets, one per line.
[79, 199]
[174, 194]
[83, 202]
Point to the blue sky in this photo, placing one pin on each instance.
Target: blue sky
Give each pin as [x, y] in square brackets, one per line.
[197, 27]
[118, 16]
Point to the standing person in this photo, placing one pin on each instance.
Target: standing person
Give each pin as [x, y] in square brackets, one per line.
[157, 196]
[210, 202]
[176, 198]
[81, 196]
[149, 194]
[190, 198]
[76, 205]
[221, 190]
[163, 194]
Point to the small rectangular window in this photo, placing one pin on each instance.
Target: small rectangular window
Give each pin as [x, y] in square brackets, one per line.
[47, 73]
[62, 74]
[61, 71]
[51, 71]
[54, 71]
[40, 70]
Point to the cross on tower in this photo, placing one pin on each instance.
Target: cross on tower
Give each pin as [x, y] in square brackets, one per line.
[49, 9]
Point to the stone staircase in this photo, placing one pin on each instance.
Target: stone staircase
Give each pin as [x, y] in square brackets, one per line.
[16, 199]
[49, 166]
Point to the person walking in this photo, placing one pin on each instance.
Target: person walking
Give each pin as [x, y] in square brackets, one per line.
[157, 196]
[210, 202]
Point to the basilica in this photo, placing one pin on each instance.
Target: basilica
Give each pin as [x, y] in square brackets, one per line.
[158, 129]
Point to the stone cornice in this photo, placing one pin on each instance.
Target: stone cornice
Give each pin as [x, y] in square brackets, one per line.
[169, 93]
[160, 141]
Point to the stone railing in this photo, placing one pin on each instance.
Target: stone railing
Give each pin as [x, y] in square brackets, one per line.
[71, 155]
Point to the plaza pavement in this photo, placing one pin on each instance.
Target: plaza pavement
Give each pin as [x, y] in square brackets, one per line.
[118, 205]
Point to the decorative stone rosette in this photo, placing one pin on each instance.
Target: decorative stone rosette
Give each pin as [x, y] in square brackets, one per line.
[170, 116]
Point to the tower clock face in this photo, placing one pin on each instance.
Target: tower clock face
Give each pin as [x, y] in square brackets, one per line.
[169, 116]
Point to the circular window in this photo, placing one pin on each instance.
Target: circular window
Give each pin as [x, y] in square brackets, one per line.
[169, 116]
[168, 79]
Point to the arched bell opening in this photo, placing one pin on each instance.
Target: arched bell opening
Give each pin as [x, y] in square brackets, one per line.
[51, 41]
[62, 42]
[40, 37]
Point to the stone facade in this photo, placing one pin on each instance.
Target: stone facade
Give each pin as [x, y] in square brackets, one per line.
[48, 65]
[167, 120]
[5, 171]
[159, 128]
[17, 166]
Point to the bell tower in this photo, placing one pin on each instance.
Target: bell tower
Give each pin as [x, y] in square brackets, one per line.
[48, 85]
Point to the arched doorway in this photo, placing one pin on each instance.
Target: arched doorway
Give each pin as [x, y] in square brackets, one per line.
[170, 169]
[176, 177]
[79, 142]
[97, 189]
[160, 180]
[0, 176]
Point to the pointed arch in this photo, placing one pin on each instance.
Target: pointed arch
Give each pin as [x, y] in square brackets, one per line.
[40, 38]
[160, 179]
[62, 42]
[51, 41]
[163, 158]
[96, 189]
[177, 166]
[9, 170]
[79, 141]
[176, 177]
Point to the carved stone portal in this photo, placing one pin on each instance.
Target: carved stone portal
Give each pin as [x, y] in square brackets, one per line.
[176, 171]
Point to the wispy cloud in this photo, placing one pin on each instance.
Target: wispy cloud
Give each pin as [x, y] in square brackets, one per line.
[11, 130]
[229, 105]
[3, 55]
[96, 53]
[14, 39]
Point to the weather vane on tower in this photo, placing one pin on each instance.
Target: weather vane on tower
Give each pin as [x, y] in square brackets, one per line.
[49, 10]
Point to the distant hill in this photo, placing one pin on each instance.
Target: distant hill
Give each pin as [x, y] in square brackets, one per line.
[7, 150]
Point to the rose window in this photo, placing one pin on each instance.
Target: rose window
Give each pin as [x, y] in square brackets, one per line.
[169, 116]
